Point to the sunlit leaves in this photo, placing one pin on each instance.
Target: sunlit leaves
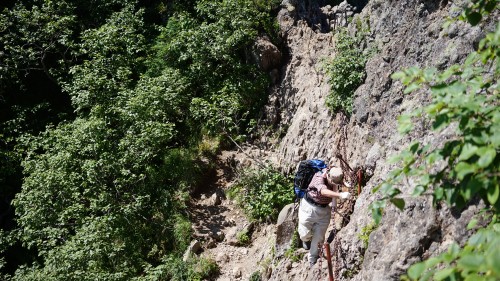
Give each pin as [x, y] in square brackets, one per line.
[492, 194]
[404, 124]
[398, 202]
[209, 49]
[416, 270]
[30, 35]
[476, 10]
[270, 186]
[114, 51]
[99, 191]
[468, 150]
[486, 156]
[104, 193]
[377, 209]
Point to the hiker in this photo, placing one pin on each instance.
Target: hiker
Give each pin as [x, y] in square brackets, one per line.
[314, 216]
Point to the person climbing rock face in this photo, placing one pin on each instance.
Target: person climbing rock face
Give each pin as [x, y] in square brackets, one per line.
[314, 214]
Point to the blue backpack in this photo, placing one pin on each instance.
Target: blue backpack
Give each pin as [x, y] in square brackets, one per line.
[304, 175]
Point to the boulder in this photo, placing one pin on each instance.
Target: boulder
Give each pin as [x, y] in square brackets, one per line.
[193, 249]
[266, 54]
[285, 228]
[215, 199]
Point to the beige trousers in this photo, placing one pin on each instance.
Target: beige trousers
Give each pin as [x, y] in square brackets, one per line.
[313, 223]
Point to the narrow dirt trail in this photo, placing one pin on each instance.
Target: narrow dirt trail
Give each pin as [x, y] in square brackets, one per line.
[217, 223]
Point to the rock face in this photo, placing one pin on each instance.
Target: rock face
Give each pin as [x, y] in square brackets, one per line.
[267, 55]
[285, 228]
[301, 93]
[405, 33]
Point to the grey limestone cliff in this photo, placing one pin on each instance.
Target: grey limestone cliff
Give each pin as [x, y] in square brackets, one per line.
[405, 33]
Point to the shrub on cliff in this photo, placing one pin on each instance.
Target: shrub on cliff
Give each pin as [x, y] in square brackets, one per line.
[262, 193]
[346, 72]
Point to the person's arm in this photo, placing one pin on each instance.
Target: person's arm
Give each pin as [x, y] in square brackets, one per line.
[334, 194]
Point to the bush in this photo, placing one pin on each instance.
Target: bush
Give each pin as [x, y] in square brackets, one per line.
[175, 269]
[243, 238]
[205, 268]
[255, 276]
[209, 47]
[364, 236]
[346, 72]
[291, 253]
[262, 193]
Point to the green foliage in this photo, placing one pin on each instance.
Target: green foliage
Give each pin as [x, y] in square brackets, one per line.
[205, 268]
[262, 193]
[255, 276]
[9, 163]
[182, 233]
[102, 192]
[5, 242]
[41, 36]
[291, 253]
[476, 10]
[173, 268]
[238, 98]
[114, 55]
[105, 191]
[210, 49]
[464, 97]
[209, 146]
[346, 72]
[243, 238]
[29, 36]
[82, 215]
[364, 235]
[34, 39]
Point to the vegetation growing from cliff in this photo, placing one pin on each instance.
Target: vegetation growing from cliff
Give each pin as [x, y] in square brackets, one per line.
[262, 193]
[102, 107]
[291, 253]
[465, 98]
[346, 70]
[364, 235]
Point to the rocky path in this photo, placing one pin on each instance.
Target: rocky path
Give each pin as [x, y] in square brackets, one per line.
[236, 261]
[218, 225]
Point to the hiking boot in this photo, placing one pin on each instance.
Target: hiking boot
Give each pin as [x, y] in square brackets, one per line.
[312, 262]
[306, 245]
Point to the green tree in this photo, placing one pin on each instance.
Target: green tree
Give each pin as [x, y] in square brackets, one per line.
[98, 196]
[211, 49]
[104, 189]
